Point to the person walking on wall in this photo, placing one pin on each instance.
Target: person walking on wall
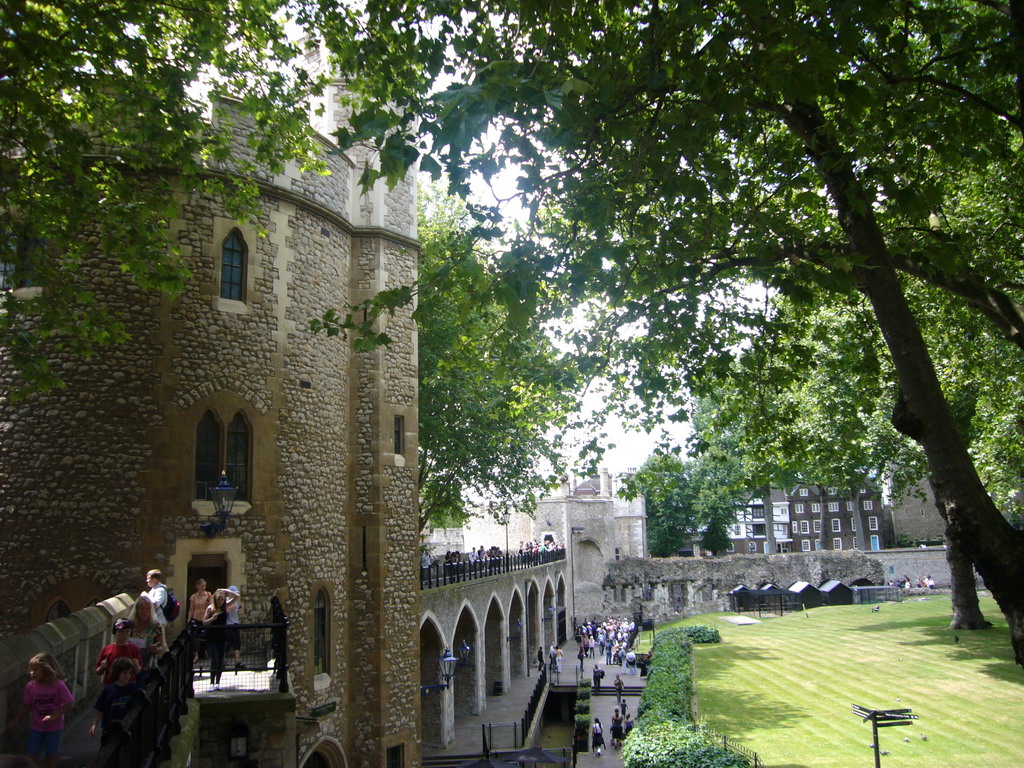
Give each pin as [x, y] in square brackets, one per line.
[47, 698]
[157, 594]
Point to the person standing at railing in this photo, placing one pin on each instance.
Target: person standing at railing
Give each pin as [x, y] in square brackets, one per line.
[116, 698]
[216, 641]
[234, 634]
[47, 698]
[119, 649]
[147, 634]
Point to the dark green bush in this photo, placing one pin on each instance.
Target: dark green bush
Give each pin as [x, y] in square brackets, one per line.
[670, 743]
[669, 685]
[582, 723]
[582, 707]
[702, 633]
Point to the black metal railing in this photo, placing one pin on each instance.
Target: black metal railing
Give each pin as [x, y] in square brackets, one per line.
[243, 657]
[440, 574]
[737, 749]
[534, 702]
[143, 738]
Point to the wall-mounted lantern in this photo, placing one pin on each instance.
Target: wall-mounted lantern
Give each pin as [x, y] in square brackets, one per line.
[223, 496]
[446, 671]
[238, 741]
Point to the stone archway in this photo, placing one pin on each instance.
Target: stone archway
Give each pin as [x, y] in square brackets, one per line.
[519, 660]
[495, 660]
[548, 614]
[436, 727]
[534, 638]
[325, 754]
[467, 685]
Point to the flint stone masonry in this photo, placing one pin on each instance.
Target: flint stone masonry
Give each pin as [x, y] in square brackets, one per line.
[105, 467]
[675, 587]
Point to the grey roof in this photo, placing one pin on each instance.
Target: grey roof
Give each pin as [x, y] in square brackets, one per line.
[800, 586]
[831, 584]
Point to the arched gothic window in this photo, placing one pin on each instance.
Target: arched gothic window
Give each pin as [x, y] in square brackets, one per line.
[207, 454]
[58, 610]
[321, 655]
[237, 459]
[232, 267]
[217, 451]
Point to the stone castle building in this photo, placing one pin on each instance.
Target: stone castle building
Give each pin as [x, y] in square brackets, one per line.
[109, 476]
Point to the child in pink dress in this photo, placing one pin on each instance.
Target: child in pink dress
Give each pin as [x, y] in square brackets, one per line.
[47, 698]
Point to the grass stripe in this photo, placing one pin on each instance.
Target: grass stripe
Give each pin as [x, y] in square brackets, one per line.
[785, 687]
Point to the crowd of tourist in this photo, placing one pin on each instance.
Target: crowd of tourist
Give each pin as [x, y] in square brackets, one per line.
[611, 639]
[926, 583]
[126, 664]
[481, 555]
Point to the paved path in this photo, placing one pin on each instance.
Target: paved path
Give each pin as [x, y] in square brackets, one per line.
[511, 707]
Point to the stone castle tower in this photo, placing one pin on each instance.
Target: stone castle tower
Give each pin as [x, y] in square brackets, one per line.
[108, 477]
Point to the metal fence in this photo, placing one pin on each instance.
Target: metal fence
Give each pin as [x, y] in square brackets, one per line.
[243, 657]
[440, 574]
[752, 758]
[143, 738]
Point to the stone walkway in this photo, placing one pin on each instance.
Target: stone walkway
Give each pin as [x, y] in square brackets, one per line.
[511, 706]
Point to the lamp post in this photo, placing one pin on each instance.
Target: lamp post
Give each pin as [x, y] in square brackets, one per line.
[223, 496]
[446, 671]
[572, 571]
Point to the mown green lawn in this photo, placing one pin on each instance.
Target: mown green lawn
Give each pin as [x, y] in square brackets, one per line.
[784, 687]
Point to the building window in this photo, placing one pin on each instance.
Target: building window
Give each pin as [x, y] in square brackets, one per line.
[751, 546]
[232, 267]
[758, 513]
[872, 523]
[833, 506]
[855, 542]
[236, 462]
[616, 553]
[803, 491]
[212, 456]
[817, 526]
[849, 506]
[805, 545]
[831, 491]
[869, 504]
[837, 543]
[798, 509]
[759, 530]
[58, 610]
[321, 658]
[805, 526]
[207, 454]
[732, 546]
[399, 435]
[396, 756]
[837, 525]
[816, 509]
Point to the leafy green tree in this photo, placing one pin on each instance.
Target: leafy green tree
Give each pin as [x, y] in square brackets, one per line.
[103, 115]
[687, 150]
[491, 402]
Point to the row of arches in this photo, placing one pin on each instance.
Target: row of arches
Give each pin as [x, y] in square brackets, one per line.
[503, 641]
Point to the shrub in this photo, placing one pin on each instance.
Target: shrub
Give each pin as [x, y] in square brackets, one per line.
[669, 684]
[672, 743]
[582, 707]
[582, 723]
[702, 633]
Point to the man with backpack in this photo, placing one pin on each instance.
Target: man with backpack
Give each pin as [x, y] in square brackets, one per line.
[165, 605]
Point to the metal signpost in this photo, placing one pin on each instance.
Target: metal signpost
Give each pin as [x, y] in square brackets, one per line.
[882, 718]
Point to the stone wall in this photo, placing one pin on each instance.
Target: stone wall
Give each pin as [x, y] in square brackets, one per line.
[75, 641]
[915, 563]
[674, 587]
[268, 719]
[104, 468]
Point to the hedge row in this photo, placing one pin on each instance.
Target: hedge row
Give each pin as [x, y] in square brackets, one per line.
[665, 735]
[669, 685]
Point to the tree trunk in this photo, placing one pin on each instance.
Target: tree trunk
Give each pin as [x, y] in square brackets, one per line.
[973, 524]
[966, 611]
[769, 521]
